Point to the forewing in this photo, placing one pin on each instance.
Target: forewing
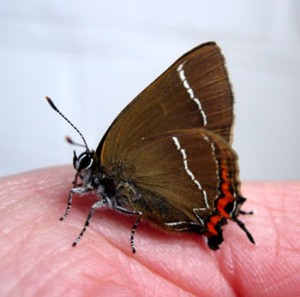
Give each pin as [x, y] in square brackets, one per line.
[193, 92]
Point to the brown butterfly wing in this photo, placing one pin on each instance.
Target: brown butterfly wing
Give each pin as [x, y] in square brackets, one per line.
[180, 171]
[193, 92]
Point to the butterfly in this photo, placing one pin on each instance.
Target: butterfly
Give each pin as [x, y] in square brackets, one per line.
[167, 157]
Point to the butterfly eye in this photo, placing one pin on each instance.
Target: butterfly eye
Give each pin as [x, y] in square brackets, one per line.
[83, 162]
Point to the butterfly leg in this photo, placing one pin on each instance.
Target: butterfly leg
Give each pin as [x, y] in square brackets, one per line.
[97, 205]
[80, 191]
[135, 225]
[240, 200]
[246, 212]
[243, 227]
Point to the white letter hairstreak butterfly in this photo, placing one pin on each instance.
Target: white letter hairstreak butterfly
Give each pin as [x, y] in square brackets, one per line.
[167, 157]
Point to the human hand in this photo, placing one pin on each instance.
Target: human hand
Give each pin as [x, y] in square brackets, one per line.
[37, 259]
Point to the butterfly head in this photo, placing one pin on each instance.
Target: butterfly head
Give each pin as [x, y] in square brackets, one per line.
[84, 164]
[84, 161]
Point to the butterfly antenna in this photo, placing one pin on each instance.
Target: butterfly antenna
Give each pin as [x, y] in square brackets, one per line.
[71, 141]
[66, 119]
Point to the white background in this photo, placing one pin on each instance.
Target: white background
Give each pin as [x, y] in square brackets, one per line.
[93, 57]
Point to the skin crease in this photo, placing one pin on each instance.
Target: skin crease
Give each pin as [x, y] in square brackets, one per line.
[36, 257]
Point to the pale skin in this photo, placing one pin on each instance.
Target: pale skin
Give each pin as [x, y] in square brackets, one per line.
[37, 259]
